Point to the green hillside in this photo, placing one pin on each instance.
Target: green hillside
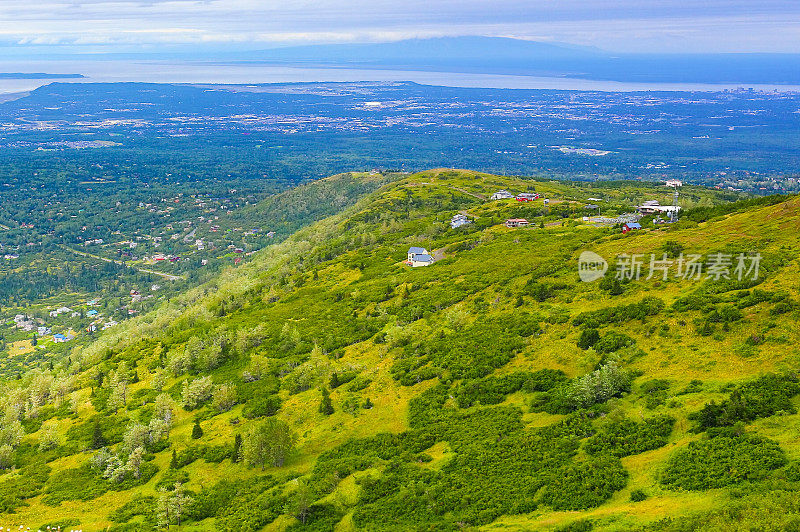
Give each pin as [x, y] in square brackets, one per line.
[326, 385]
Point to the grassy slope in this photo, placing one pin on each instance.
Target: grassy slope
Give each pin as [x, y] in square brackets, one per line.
[366, 245]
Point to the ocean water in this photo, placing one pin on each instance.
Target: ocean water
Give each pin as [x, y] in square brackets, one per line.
[198, 72]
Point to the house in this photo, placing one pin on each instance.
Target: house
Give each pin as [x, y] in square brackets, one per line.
[92, 313]
[418, 257]
[459, 220]
[674, 183]
[517, 222]
[527, 196]
[60, 338]
[502, 194]
[631, 226]
[63, 310]
[654, 207]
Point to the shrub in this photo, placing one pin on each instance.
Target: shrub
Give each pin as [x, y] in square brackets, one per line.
[627, 437]
[584, 485]
[612, 341]
[638, 495]
[359, 383]
[78, 484]
[760, 398]
[648, 306]
[260, 407]
[722, 461]
[588, 338]
[655, 392]
[493, 390]
[594, 388]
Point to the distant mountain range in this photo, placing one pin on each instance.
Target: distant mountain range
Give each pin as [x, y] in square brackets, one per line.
[520, 57]
[37, 75]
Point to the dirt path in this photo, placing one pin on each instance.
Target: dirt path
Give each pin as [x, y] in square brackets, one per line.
[467, 192]
[167, 276]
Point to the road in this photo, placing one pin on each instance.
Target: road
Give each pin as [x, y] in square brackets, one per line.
[167, 276]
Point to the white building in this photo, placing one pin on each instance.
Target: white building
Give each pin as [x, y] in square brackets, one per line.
[419, 257]
[502, 194]
[654, 207]
[459, 220]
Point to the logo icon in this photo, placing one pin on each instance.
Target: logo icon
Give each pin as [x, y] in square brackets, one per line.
[591, 266]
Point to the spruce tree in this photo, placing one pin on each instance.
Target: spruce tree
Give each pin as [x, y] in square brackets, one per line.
[173, 464]
[236, 455]
[197, 431]
[98, 440]
[325, 406]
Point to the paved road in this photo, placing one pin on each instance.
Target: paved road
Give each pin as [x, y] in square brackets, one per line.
[167, 276]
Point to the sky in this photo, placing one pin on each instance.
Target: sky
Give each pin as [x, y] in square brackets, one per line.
[47, 27]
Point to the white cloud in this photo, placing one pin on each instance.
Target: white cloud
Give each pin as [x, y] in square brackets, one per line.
[636, 25]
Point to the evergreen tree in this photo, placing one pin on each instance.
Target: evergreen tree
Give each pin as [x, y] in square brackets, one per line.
[236, 455]
[197, 431]
[588, 338]
[173, 464]
[334, 382]
[326, 406]
[616, 288]
[98, 440]
[368, 404]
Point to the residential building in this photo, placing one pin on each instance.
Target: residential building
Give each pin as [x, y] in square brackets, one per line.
[502, 194]
[527, 196]
[654, 207]
[418, 256]
[631, 226]
[517, 222]
[459, 220]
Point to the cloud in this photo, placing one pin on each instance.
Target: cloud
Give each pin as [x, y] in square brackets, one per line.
[669, 25]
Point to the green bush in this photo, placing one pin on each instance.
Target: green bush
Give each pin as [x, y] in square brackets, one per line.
[627, 437]
[613, 341]
[359, 383]
[138, 505]
[27, 483]
[722, 461]
[583, 392]
[493, 390]
[262, 406]
[760, 398]
[584, 485]
[655, 392]
[648, 306]
[79, 484]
